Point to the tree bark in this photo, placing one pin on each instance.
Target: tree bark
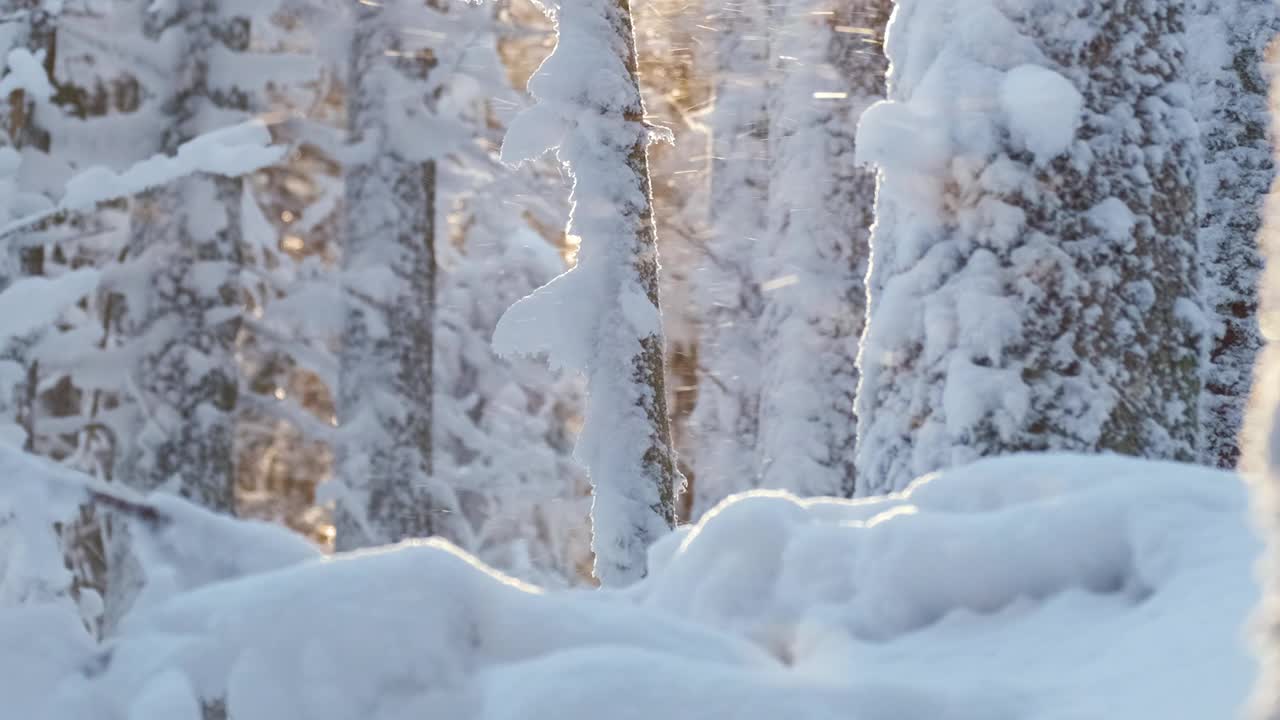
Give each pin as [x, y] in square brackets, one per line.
[1027, 296]
[386, 362]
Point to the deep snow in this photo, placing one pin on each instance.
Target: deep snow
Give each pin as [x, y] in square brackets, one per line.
[1035, 588]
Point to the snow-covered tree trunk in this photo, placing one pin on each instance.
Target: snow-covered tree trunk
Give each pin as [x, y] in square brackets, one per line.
[726, 418]
[1230, 40]
[1034, 271]
[187, 317]
[830, 70]
[184, 314]
[603, 317]
[385, 384]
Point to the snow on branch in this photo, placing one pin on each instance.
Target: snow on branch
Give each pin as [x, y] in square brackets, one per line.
[29, 304]
[589, 112]
[26, 72]
[230, 152]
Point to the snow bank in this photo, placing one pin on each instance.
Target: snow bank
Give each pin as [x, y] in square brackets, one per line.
[182, 546]
[40, 647]
[1029, 588]
[899, 564]
[1053, 586]
[406, 631]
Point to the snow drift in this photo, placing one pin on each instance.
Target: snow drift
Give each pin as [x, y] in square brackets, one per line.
[1028, 587]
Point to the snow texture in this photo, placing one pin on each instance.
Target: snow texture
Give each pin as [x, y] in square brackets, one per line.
[1043, 110]
[25, 72]
[32, 303]
[1031, 587]
[1034, 265]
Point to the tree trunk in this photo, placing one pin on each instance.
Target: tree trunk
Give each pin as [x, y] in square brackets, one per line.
[1232, 109]
[589, 97]
[830, 68]
[186, 321]
[648, 376]
[189, 317]
[726, 418]
[385, 394]
[1034, 286]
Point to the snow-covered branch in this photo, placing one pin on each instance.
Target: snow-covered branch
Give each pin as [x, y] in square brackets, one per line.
[229, 152]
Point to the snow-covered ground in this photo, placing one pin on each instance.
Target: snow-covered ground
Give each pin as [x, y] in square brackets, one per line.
[1035, 588]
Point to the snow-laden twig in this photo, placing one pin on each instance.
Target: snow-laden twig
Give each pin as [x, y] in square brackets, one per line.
[230, 152]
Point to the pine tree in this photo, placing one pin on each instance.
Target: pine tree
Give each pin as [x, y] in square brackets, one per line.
[389, 274]
[25, 139]
[189, 233]
[603, 316]
[183, 317]
[1034, 271]
[1230, 40]
[830, 69]
[35, 380]
[725, 420]
[84, 123]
